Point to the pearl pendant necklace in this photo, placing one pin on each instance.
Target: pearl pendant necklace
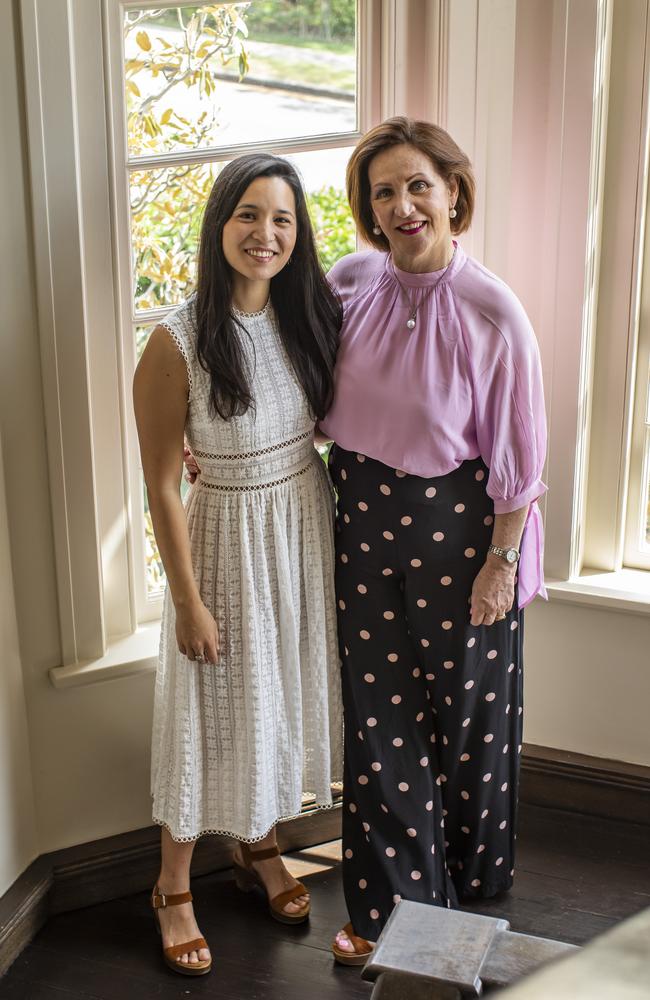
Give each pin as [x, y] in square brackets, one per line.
[412, 306]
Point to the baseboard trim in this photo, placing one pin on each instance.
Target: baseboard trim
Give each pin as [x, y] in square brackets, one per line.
[592, 786]
[127, 863]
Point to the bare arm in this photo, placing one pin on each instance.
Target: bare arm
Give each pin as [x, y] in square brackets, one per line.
[493, 592]
[160, 390]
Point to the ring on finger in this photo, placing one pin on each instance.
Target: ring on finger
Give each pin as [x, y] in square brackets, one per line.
[500, 617]
[199, 657]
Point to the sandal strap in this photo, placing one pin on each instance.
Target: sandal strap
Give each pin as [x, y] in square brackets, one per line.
[176, 950]
[159, 900]
[280, 901]
[360, 945]
[249, 856]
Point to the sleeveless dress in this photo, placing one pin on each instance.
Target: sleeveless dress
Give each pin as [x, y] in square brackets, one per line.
[238, 745]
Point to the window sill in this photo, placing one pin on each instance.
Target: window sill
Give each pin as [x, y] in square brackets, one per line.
[627, 590]
[128, 657]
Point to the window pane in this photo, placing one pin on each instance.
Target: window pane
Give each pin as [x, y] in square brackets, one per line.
[206, 75]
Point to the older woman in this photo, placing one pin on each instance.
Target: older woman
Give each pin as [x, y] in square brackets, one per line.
[439, 430]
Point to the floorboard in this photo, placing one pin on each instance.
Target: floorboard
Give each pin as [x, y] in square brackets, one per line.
[575, 878]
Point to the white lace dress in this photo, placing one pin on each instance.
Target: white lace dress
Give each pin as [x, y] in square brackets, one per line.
[237, 745]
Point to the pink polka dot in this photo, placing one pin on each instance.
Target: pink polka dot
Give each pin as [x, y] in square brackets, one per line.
[485, 813]
[459, 508]
[347, 651]
[396, 699]
[388, 535]
[396, 898]
[389, 615]
[363, 779]
[360, 735]
[464, 757]
[424, 761]
[513, 626]
[344, 558]
[364, 547]
[361, 587]
[421, 603]
[430, 677]
[344, 474]
[384, 808]
[480, 848]
[438, 536]
[364, 633]
[490, 696]
[403, 787]
[376, 766]
[430, 492]
[470, 553]
[406, 520]
[475, 883]
[342, 605]
[416, 672]
[411, 832]
[352, 807]
[419, 717]
[469, 685]
[416, 563]
[448, 664]
[445, 581]
[439, 780]
[503, 824]
[488, 520]
[374, 914]
[398, 741]
[504, 786]
[390, 852]
[505, 749]
[416, 875]
[464, 829]
[387, 572]
[363, 884]
[511, 668]
[361, 458]
[471, 642]
[488, 776]
[362, 505]
[348, 853]
[429, 805]
[488, 738]
[392, 657]
[371, 722]
[479, 476]
[369, 678]
[466, 723]
[492, 654]
[346, 518]
[499, 861]
[366, 827]
[433, 848]
[447, 699]
[447, 625]
[425, 643]
[385, 489]
[464, 795]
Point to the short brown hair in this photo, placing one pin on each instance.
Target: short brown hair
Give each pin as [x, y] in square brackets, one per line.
[448, 159]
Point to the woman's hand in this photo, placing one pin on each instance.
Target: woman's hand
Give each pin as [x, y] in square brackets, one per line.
[493, 592]
[191, 466]
[196, 633]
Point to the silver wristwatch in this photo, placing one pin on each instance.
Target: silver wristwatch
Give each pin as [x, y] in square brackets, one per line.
[510, 555]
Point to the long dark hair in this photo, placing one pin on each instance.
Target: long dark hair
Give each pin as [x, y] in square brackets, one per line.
[309, 313]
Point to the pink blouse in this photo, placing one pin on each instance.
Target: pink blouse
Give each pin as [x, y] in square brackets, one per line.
[466, 381]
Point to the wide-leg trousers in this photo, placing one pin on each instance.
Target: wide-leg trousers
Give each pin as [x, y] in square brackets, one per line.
[432, 704]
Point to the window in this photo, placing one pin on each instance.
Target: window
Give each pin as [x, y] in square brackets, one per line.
[193, 86]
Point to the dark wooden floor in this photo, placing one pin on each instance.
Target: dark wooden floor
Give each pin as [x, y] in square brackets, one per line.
[575, 878]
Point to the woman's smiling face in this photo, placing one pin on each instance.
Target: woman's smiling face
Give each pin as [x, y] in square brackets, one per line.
[261, 233]
[410, 203]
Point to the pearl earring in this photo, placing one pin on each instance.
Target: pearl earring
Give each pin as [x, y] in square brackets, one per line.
[376, 230]
[452, 212]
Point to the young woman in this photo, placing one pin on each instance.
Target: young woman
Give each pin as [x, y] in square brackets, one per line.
[247, 708]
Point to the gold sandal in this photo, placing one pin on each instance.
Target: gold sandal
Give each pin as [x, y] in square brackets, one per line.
[362, 949]
[247, 878]
[171, 955]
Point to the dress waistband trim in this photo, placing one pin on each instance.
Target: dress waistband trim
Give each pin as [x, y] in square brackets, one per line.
[250, 487]
[253, 454]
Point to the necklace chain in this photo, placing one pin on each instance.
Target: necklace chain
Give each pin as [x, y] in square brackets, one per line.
[412, 306]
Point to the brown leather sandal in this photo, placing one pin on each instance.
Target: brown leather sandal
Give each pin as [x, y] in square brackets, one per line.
[172, 955]
[362, 949]
[247, 879]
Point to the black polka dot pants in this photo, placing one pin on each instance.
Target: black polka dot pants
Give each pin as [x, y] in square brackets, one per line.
[432, 703]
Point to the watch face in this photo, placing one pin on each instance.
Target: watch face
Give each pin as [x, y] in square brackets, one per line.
[511, 555]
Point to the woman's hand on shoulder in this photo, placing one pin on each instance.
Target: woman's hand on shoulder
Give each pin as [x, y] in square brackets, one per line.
[493, 593]
[197, 634]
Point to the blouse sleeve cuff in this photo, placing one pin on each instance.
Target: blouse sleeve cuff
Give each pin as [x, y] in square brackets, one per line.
[533, 492]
